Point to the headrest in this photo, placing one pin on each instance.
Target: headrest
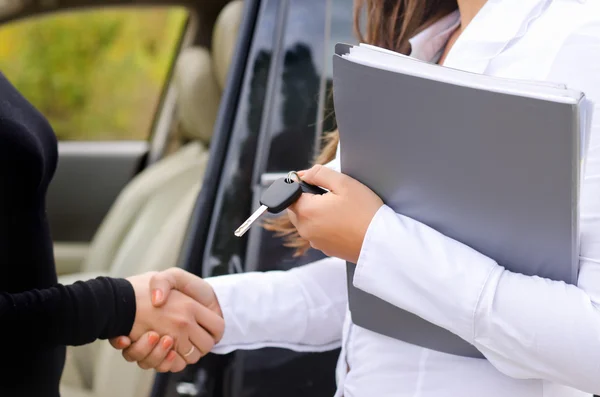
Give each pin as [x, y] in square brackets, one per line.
[198, 94]
[224, 38]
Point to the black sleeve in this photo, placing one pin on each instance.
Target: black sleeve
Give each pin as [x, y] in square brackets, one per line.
[68, 315]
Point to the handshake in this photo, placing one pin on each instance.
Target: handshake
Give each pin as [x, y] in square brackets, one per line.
[178, 320]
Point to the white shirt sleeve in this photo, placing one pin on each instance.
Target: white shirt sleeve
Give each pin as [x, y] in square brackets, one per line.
[301, 309]
[528, 327]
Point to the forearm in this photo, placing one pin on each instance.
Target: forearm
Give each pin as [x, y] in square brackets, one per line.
[68, 315]
[302, 309]
[528, 327]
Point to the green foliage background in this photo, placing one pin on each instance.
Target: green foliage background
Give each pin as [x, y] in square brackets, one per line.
[96, 74]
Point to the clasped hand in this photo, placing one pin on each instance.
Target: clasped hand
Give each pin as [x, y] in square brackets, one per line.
[176, 324]
[176, 328]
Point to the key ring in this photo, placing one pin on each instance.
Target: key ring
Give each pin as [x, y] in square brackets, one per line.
[289, 179]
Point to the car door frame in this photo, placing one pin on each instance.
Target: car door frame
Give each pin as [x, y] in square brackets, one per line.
[198, 229]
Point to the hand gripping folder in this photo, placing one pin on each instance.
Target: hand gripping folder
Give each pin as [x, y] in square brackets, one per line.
[493, 163]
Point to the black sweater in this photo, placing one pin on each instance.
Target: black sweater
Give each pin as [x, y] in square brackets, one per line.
[37, 316]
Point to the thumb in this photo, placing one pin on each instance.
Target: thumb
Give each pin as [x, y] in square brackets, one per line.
[324, 177]
[161, 285]
[193, 286]
[120, 342]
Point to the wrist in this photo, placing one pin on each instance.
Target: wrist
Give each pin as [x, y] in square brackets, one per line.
[362, 230]
[215, 306]
[143, 304]
[224, 289]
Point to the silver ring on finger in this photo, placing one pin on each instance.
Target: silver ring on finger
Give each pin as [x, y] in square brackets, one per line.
[190, 352]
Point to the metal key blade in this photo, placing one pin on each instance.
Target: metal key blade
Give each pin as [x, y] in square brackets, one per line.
[280, 195]
[240, 231]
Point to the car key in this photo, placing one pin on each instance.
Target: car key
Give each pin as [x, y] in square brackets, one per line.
[280, 195]
[306, 187]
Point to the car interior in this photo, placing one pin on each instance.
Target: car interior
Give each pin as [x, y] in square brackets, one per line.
[145, 226]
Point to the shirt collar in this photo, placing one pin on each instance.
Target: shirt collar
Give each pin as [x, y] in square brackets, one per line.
[493, 29]
[430, 42]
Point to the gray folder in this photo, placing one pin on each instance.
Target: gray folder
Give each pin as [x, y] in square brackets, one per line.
[492, 163]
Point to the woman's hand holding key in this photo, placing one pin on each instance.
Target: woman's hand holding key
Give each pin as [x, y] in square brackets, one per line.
[335, 223]
[334, 220]
[280, 195]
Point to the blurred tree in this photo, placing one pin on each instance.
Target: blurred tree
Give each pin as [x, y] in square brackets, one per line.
[96, 74]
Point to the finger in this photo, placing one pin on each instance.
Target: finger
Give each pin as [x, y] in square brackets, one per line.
[161, 285]
[120, 342]
[167, 364]
[179, 364]
[190, 353]
[326, 177]
[292, 215]
[304, 209]
[203, 341]
[195, 287]
[141, 348]
[159, 354]
[163, 282]
[175, 278]
[297, 207]
[209, 322]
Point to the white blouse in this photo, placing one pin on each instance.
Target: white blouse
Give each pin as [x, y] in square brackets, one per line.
[541, 338]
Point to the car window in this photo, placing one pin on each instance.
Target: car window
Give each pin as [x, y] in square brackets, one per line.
[225, 252]
[292, 121]
[275, 130]
[302, 112]
[303, 103]
[96, 74]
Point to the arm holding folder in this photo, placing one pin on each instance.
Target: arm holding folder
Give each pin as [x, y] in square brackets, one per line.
[526, 326]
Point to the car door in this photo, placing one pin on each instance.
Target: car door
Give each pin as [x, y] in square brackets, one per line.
[274, 125]
[299, 110]
[99, 70]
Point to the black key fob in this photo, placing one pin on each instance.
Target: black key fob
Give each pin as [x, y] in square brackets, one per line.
[312, 189]
[281, 194]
